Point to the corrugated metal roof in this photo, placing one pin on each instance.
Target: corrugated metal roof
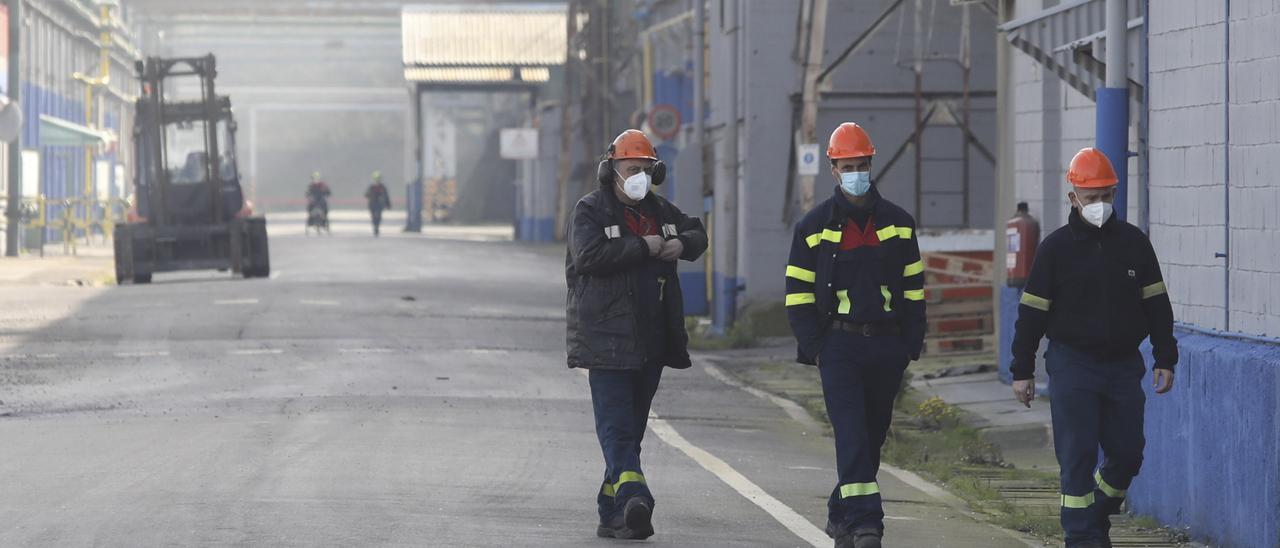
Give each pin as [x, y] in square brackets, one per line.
[484, 35]
[476, 74]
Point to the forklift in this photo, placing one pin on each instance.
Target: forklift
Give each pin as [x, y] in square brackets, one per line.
[189, 212]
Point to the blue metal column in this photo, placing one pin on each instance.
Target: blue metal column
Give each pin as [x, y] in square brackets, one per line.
[1113, 139]
[1113, 102]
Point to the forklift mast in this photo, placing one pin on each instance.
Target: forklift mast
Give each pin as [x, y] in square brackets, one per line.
[206, 189]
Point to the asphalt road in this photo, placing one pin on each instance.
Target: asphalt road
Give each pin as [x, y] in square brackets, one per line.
[402, 391]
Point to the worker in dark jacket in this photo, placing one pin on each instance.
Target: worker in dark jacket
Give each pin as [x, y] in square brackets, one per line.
[379, 199]
[1096, 290]
[855, 300]
[626, 315]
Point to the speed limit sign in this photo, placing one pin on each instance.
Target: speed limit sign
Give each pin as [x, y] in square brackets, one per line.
[664, 120]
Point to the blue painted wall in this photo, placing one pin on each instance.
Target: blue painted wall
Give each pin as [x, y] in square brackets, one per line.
[1212, 460]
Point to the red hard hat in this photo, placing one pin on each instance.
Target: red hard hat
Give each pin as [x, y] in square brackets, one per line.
[850, 141]
[632, 144]
[1090, 168]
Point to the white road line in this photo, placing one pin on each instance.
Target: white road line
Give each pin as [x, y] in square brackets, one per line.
[789, 518]
[29, 356]
[230, 302]
[256, 351]
[156, 354]
[276, 275]
[365, 350]
[784, 514]
[907, 477]
[311, 302]
[793, 409]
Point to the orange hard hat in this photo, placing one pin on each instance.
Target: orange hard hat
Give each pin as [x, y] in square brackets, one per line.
[632, 144]
[850, 141]
[1090, 168]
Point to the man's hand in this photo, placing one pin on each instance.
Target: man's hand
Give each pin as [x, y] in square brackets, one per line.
[1025, 391]
[1162, 380]
[671, 250]
[655, 245]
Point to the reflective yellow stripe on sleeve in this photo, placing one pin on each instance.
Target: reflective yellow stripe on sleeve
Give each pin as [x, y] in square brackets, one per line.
[801, 274]
[827, 234]
[914, 294]
[858, 489]
[1153, 290]
[796, 299]
[913, 269]
[1069, 501]
[1036, 302]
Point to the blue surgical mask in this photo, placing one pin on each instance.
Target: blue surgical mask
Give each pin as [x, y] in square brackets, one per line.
[857, 183]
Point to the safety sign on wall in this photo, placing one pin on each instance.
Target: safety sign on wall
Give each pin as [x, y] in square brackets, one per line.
[807, 159]
[518, 143]
[664, 120]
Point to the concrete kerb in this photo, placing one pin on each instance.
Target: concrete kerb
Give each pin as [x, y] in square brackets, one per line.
[91, 267]
[802, 416]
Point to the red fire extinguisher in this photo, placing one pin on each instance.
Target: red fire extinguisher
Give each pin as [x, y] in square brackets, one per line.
[1023, 233]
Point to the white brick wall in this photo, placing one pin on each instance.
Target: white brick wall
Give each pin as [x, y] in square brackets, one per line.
[1188, 155]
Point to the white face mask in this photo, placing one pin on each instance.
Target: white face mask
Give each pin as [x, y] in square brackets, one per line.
[636, 186]
[1096, 213]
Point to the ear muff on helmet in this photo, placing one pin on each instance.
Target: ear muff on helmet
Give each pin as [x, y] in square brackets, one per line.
[604, 171]
[658, 173]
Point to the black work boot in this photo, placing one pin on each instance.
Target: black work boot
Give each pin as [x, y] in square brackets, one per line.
[860, 538]
[638, 517]
[867, 538]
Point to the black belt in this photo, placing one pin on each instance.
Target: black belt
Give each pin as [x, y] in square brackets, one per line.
[868, 329]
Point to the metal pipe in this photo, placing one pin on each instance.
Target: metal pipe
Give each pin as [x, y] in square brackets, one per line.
[14, 148]
[699, 79]
[726, 211]
[1117, 43]
[1144, 123]
[965, 61]
[1226, 162]
[918, 69]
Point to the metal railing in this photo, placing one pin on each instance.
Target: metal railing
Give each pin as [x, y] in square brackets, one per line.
[71, 218]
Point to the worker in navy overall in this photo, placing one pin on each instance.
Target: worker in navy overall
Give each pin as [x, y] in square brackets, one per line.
[379, 199]
[855, 300]
[626, 315]
[1096, 290]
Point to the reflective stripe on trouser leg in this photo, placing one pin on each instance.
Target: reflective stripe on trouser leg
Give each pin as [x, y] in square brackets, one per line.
[1106, 488]
[860, 377]
[859, 489]
[1077, 406]
[611, 490]
[621, 401]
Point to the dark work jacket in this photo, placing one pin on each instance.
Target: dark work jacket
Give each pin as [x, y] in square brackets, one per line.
[1097, 290]
[603, 262]
[812, 303]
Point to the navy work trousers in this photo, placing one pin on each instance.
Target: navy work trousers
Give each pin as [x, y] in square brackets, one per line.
[621, 401]
[1095, 404]
[860, 378]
